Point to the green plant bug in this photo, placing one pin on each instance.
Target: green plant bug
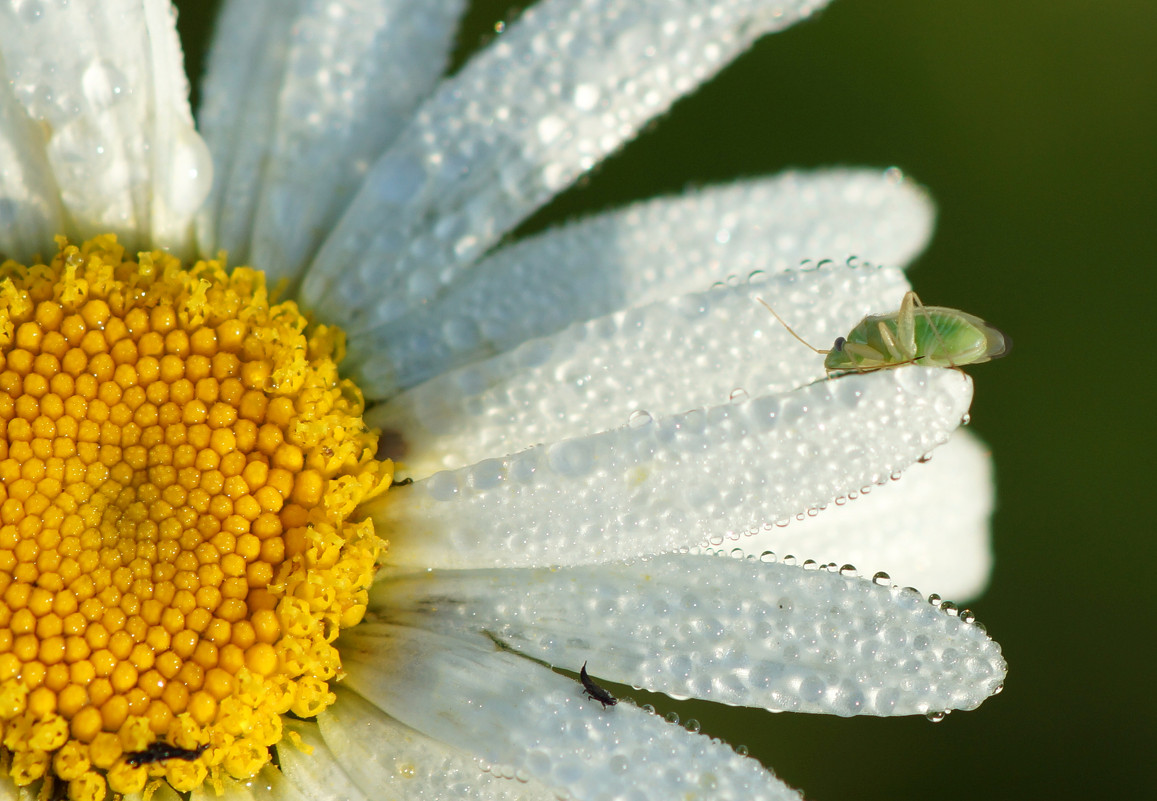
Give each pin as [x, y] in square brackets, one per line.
[932, 336]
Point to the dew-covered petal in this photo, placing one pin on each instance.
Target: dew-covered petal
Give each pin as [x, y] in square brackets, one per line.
[670, 483]
[735, 631]
[30, 210]
[644, 253]
[354, 73]
[314, 771]
[105, 85]
[243, 78]
[701, 349]
[930, 529]
[162, 792]
[10, 792]
[268, 785]
[520, 717]
[383, 756]
[565, 85]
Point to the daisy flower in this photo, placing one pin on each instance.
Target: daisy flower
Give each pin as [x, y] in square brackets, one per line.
[321, 526]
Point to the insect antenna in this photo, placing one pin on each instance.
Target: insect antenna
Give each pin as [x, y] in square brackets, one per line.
[791, 330]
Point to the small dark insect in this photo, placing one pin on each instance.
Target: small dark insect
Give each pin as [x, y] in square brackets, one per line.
[596, 692]
[160, 751]
[405, 482]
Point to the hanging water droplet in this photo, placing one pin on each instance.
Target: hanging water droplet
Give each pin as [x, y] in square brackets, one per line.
[936, 717]
[896, 475]
[965, 419]
[882, 579]
[840, 501]
[640, 418]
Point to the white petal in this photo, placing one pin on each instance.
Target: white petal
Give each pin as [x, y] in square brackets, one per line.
[382, 756]
[268, 785]
[162, 792]
[112, 110]
[354, 73]
[930, 530]
[10, 792]
[658, 360]
[738, 632]
[317, 774]
[671, 482]
[641, 254]
[565, 85]
[30, 210]
[523, 718]
[246, 67]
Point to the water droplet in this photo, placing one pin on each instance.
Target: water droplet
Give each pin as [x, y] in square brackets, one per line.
[738, 395]
[840, 501]
[810, 564]
[693, 726]
[522, 776]
[935, 599]
[737, 553]
[648, 708]
[882, 579]
[742, 750]
[998, 689]
[640, 418]
[407, 770]
[767, 556]
[788, 560]
[936, 717]
[673, 717]
[896, 475]
[950, 608]
[586, 96]
[965, 419]
[849, 571]
[571, 457]
[967, 615]
[894, 175]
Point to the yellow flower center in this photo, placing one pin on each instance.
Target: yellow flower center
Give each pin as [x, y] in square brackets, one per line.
[180, 474]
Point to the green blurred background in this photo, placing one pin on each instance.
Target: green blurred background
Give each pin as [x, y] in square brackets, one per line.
[1034, 126]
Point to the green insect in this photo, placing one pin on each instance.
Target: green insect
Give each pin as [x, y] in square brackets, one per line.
[932, 336]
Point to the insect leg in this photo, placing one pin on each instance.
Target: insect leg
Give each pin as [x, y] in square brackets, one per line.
[906, 324]
[931, 324]
[895, 353]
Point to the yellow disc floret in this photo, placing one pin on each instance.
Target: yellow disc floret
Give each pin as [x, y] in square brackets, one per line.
[180, 474]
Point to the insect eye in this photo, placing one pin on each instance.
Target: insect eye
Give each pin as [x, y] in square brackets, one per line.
[839, 346]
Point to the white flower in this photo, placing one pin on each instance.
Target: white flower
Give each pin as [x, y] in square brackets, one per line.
[587, 415]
